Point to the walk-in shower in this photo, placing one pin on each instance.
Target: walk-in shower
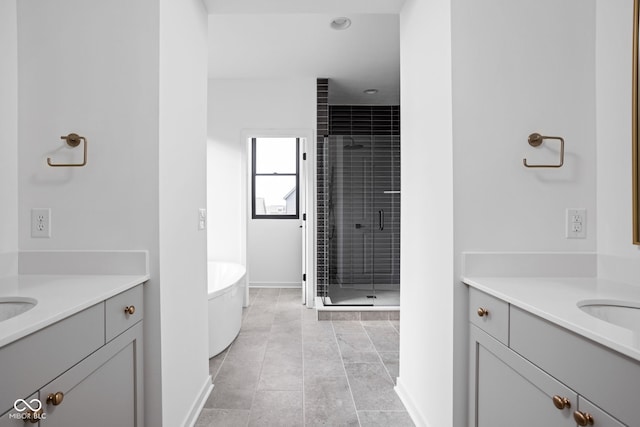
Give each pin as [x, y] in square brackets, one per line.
[362, 176]
[359, 200]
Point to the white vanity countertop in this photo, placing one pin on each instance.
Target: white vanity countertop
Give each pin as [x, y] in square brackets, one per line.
[58, 296]
[555, 299]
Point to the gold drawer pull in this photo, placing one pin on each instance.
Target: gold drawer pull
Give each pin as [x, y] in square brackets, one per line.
[130, 309]
[483, 312]
[33, 416]
[55, 398]
[583, 418]
[561, 402]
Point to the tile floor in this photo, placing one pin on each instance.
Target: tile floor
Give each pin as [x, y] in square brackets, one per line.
[285, 368]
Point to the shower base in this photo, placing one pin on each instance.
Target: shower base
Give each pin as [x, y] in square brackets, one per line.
[346, 312]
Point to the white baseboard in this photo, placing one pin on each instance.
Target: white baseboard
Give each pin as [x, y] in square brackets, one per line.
[409, 404]
[275, 285]
[197, 406]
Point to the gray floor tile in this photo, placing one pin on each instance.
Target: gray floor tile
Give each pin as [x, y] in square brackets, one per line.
[227, 396]
[385, 419]
[309, 315]
[361, 357]
[238, 373]
[328, 402]
[354, 343]
[277, 409]
[323, 367]
[321, 349]
[248, 347]
[347, 327]
[328, 391]
[371, 387]
[374, 323]
[396, 325]
[318, 331]
[281, 372]
[223, 417]
[392, 363]
[384, 338]
[284, 353]
[329, 417]
[216, 361]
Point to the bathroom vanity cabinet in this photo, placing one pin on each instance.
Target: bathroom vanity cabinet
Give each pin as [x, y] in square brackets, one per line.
[85, 369]
[527, 371]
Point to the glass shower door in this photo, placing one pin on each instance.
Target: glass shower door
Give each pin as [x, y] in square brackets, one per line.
[386, 205]
[351, 221]
[363, 174]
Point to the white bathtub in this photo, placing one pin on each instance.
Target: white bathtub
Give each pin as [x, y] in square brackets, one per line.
[226, 281]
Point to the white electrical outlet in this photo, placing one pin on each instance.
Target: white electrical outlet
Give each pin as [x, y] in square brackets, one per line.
[41, 222]
[202, 219]
[576, 220]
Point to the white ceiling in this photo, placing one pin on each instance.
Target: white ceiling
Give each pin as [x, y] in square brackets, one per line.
[269, 39]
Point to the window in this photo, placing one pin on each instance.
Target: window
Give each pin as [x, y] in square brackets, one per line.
[274, 172]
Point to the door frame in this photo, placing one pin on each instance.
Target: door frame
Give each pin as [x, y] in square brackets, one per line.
[307, 186]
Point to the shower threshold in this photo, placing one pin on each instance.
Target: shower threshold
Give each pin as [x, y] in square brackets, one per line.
[327, 311]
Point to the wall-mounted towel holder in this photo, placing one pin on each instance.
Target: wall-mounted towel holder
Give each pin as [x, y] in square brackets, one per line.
[535, 140]
[73, 140]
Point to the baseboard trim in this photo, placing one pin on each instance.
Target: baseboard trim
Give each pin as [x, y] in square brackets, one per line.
[288, 285]
[409, 404]
[197, 406]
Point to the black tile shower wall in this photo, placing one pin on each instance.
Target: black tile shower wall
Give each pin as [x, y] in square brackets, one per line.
[355, 120]
[380, 127]
[322, 107]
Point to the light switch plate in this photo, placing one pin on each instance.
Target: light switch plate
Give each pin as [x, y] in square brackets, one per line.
[202, 219]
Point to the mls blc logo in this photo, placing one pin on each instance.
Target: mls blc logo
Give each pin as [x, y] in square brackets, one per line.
[31, 410]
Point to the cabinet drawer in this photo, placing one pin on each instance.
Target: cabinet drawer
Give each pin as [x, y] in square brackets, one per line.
[494, 320]
[600, 418]
[13, 418]
[117, 320]
[43, 355]
[596, 372]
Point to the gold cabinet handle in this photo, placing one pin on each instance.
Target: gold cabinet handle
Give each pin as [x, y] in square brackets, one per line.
[55, 398]
[561, 402]
[130, 309]
[483, 312]
[33, 416]
[583, 418]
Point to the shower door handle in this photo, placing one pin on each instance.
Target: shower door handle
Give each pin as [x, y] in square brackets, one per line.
[381, 219]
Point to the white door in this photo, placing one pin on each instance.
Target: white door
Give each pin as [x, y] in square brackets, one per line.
[303, 217]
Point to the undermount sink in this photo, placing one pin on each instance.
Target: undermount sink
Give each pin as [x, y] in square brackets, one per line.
[13, 306]
[620, 313]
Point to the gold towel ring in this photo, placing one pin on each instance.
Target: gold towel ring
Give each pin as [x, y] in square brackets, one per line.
[535, 140]
[73, 140]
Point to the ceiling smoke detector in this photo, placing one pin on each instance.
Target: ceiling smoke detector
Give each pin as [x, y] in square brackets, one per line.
[370, 91]
[341, 23]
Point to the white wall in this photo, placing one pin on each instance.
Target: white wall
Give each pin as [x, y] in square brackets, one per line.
[237, 108]
[523, 67]
[426, 338]
[614, 35]
[513, 68]
[182, 190]
[8, 138]
[113, 84]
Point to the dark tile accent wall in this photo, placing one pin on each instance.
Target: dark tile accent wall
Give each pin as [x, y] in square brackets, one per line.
[377, 128]
[322, 106]
[355, 120]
